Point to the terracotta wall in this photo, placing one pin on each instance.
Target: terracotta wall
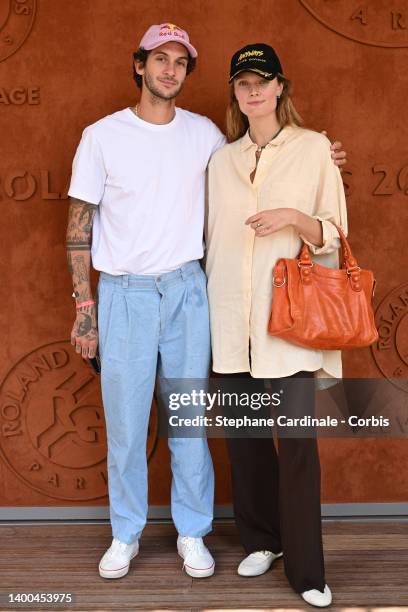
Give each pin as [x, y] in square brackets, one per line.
[63, 65]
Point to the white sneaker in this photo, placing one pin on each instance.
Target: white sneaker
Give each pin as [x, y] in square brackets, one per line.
[115, 562]
[198, 561]
[257, 563]
[317, 598]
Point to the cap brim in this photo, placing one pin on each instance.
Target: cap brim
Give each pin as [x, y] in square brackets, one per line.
[270, 75]
[192, 51]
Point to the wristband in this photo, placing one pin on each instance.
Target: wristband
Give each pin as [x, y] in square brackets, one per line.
[83, 304]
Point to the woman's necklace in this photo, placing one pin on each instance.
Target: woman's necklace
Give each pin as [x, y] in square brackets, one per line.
[258, 153]
[261, 148]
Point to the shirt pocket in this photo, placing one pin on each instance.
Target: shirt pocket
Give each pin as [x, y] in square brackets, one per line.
[285, 194]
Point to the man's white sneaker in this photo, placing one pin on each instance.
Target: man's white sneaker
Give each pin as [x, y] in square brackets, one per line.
[317, 598]
[115, 562]
[198, 561]
[257, 563]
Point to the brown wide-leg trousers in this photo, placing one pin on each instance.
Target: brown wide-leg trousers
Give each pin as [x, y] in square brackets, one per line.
[276, 496]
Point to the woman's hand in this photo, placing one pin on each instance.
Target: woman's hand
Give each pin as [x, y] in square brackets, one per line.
[267, 222]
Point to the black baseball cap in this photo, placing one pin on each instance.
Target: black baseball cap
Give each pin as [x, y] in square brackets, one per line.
[258, 58]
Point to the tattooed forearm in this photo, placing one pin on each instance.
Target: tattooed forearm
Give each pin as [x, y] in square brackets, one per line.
[82, 296]
[79, 238]
[81, 269]
[80, 219]
[77, 246]
[70, 265]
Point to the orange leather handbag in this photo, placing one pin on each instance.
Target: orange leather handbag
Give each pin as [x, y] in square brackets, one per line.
[321, 308]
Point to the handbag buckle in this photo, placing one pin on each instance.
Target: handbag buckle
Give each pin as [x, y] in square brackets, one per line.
[305, 271]
[305, 265]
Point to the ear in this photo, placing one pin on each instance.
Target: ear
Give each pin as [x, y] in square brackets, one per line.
[139, 67]
[280, 90]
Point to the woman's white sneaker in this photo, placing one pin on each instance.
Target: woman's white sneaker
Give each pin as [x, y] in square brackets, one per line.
[198, 561]
[116, 561]
[257, 563]
[317, 598]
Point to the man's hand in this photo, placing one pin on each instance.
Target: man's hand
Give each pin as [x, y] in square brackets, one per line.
[84, 335]
[338, 156]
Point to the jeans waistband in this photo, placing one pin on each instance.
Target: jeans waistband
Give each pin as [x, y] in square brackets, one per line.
[151, 280]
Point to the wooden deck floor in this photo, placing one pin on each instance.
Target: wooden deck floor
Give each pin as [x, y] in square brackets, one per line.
[366, 567]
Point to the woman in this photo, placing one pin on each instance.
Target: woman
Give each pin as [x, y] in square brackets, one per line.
[273, 186]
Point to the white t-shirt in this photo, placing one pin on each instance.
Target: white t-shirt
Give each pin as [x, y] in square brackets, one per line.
[149, 183]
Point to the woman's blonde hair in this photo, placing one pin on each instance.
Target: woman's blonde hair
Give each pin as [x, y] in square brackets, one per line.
[237, 122]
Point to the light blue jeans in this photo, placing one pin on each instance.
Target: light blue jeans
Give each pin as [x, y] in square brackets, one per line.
[150, 324]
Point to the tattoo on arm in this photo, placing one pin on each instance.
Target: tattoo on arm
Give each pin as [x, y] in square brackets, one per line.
[81, 269]
[80, 219]
[78, 242]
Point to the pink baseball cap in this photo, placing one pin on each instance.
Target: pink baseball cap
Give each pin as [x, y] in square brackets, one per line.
[158, 35]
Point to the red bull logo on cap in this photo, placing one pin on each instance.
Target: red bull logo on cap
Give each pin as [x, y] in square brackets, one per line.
[170, 26]
[170, 29]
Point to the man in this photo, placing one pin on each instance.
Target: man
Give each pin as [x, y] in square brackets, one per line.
[138, 187]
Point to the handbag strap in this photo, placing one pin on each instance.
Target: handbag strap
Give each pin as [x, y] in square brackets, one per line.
[347, 259]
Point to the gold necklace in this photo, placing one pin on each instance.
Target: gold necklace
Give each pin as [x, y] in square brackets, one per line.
[135, 110]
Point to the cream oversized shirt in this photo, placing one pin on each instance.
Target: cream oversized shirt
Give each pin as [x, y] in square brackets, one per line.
[295, 170]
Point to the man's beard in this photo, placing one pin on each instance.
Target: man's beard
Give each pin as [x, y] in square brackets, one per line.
[156, 92]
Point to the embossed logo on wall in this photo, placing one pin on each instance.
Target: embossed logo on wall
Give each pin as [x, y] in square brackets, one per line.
[16, 22]
[21, 185]
[391, 350]
[52, 425]
[381, 23]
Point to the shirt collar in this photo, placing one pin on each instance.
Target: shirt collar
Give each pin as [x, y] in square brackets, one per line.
[247, 143]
